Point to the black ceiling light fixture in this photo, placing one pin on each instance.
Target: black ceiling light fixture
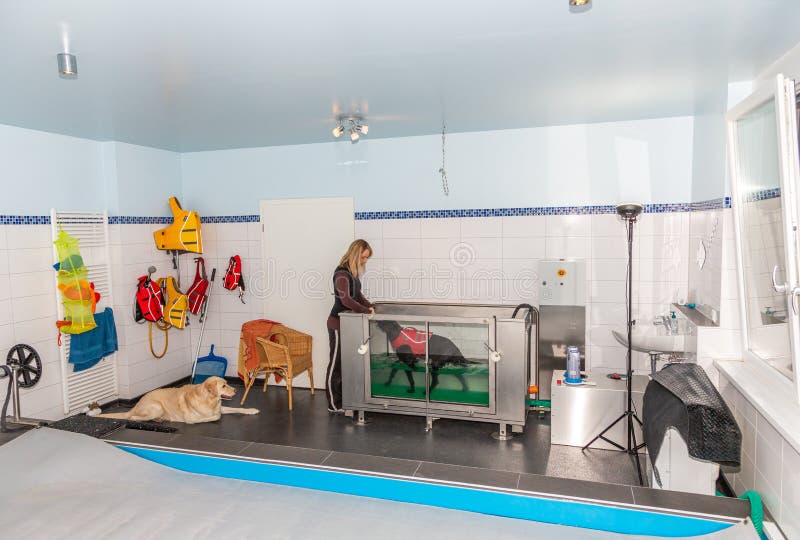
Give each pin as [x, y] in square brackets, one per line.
[353, 124]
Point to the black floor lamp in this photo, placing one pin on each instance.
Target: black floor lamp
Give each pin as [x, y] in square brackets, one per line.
[628, 212]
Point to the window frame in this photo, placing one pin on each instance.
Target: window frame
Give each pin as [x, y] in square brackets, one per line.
[783, 91]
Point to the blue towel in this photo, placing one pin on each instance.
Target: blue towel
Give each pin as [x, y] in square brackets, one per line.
[88, 348]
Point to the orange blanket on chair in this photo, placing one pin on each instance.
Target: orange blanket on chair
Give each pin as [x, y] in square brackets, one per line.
[249, 357]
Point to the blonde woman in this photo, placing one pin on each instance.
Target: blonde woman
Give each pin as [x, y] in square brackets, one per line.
[347, 297]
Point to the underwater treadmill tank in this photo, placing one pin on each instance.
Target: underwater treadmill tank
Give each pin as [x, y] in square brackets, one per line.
[479, 371]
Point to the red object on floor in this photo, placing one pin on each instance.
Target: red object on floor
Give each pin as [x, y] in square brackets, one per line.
[250, 331]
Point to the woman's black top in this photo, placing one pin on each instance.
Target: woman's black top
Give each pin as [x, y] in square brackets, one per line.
[347, 293]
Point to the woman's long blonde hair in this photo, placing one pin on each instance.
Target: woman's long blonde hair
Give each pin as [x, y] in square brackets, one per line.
[352, 258]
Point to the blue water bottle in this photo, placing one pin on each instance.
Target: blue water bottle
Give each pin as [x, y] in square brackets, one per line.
[573, 373]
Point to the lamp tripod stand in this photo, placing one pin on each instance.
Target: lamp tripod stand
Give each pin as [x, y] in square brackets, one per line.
[628, 212]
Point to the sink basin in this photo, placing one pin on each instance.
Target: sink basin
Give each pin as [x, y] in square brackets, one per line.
[652, 338]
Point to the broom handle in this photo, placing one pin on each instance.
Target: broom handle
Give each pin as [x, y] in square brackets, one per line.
[203, 325]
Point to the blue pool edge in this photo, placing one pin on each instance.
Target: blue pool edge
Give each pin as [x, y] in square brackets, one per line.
[502, 503]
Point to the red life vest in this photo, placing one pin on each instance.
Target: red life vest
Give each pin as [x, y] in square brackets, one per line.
[415, 339]
[197, 292]
[233, 276]
[149, 300]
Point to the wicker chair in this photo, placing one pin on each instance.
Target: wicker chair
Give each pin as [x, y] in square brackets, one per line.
[286, 352]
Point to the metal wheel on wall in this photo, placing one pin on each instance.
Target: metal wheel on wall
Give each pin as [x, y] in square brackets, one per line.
[28, 362]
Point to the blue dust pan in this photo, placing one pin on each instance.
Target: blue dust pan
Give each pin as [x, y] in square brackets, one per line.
[209, 366]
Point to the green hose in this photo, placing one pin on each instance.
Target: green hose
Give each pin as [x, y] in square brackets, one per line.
[756, 510]
[539, 403]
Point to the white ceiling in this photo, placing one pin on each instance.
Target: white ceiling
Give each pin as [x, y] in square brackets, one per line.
[200, 75]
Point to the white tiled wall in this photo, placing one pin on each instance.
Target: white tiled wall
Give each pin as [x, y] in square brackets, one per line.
[494, 259]
[140, 372]
[226, 311]
[28, 306]
[132, 251]
[461, 260]
[770, 465]
[28, 312]
[724, 341]
[706, 231]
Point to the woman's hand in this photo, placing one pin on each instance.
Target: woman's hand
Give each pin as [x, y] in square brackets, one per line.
[372, 311]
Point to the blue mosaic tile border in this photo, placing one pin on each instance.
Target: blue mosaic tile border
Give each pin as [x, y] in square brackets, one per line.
[24, 220]
[711, 204]
[156, 220]
[138, 220]
[130, 220]
[251, 218]
[763, 195]
[530, 211]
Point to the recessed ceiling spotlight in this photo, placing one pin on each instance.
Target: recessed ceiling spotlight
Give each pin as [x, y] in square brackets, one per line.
[579, 6]
[355, 126]
[67, 65]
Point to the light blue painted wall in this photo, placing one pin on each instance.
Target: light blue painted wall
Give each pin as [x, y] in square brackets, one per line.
[737, 91]
[708, 162]
[42, 170]
[145, 179]
[646, 160]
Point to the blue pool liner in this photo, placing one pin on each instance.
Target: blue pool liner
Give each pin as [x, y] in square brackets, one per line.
[511, 504]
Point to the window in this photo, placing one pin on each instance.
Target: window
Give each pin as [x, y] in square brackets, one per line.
[762, 139]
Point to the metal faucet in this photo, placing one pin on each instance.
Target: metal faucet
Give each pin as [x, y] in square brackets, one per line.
[669, 324]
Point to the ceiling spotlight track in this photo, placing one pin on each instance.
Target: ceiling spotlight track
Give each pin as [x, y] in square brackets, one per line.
[353, 124]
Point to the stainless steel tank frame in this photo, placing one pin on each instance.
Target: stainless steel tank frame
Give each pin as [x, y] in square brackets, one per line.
[509, 399]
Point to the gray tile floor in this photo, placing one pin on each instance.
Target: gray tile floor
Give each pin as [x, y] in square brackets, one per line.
[11, 435]
[454, 442]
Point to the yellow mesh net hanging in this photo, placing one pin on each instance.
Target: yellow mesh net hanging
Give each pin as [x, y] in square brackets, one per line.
[77, 292]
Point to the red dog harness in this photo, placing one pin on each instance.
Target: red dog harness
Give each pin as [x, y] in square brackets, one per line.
[197, 292]
[149, 299]
[233, 276]
[413, 338]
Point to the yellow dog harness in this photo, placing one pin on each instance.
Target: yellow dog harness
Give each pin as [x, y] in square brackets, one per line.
[176, 302]
[184, 232]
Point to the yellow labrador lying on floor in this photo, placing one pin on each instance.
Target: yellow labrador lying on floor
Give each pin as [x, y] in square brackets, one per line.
[191, 403]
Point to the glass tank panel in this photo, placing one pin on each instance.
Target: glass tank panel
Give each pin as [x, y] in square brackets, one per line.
[459, 363]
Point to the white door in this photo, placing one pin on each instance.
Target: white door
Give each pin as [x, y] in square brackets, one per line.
[302, 242]
[762, 138]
